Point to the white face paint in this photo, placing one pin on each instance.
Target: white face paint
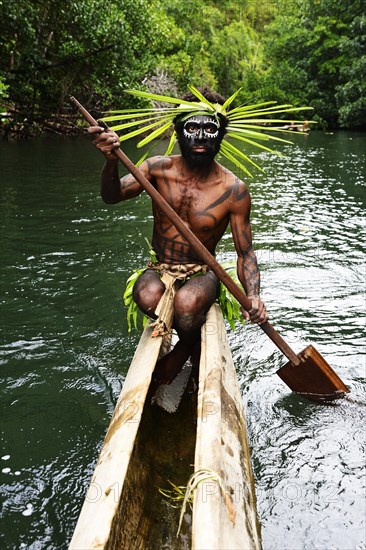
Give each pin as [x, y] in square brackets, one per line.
[202, 127]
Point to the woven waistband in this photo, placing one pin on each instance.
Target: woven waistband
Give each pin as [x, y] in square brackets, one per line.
[178, 271]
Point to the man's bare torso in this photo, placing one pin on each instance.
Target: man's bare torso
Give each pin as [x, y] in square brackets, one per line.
[203, 202]
[207, 197]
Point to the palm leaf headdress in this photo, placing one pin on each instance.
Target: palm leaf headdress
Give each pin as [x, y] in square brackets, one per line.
[245, 123]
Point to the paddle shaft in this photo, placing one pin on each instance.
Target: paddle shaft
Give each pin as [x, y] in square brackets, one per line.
[196, 244]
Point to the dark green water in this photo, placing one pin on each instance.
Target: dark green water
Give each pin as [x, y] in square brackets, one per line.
[65, 348]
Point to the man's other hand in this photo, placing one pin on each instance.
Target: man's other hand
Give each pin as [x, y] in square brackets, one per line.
[257, 313]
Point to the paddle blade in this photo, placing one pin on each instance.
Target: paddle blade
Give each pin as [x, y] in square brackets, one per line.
[313, 377]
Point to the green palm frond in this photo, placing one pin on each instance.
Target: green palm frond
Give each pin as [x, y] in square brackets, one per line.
[254, 108]
[237, 153]
[156, 97]
[230, 99]
[201, 97]
[248, 130]
[229, 305]
[157, 133]
[126, 115]
[142, 130]
[172, 142]
[142, 110]
[251, 107]
[255, 143]
[125, 125]
[224, 151]
[148, 152]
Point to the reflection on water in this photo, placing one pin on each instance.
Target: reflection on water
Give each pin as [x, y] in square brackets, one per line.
[65, 347]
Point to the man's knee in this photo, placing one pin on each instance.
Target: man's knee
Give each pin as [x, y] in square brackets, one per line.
[189, 310]
[187, 301]
[147, 292]
[197, 295]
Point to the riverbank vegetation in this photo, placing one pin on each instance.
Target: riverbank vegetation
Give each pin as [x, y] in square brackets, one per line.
[300, 51]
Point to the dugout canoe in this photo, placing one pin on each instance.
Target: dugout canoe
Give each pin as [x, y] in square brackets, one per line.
[146, 448]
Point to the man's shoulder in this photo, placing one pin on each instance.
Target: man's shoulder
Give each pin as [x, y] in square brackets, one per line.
[159, 161]
[230, 179]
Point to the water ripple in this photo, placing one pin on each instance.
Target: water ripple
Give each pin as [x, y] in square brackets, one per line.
[65, 349]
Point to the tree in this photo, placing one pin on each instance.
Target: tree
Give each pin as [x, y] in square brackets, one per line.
[237, 51]
[53, 49]
[351, 92]
[303, 52]
[316, 55]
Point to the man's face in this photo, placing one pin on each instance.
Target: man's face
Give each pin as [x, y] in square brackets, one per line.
[200, 140]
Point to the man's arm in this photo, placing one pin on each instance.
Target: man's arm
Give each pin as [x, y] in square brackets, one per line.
[112, 188]
[115, 189]
[247, 266]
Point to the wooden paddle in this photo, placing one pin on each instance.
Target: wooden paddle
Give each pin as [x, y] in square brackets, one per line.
[306, 373]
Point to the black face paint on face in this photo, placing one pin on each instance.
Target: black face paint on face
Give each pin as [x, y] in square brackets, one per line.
[201, 127]
[199, 140]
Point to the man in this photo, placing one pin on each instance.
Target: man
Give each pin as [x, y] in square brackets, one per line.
[207, 197]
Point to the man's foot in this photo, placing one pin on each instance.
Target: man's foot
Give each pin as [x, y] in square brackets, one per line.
[169, 366]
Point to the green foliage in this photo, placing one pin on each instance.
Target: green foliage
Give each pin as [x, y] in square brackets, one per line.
[237, 50]
[51, 50]
[351, 91]
[132, 309]
[219, 46]
[3, 92]
[229, 305]
[129, 302]
[316, 55]
[175, 495]
[301, 52]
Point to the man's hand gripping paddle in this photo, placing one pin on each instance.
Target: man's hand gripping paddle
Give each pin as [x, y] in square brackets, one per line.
[307, 373]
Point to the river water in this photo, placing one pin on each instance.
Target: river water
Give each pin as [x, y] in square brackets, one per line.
[65, 348]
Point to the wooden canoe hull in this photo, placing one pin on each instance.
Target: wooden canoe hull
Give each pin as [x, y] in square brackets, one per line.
[101, 506]
[161, 453]
[146, 448]
[226, 517]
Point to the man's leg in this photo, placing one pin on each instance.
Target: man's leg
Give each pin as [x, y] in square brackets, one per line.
[147, 292]
[192, 302]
